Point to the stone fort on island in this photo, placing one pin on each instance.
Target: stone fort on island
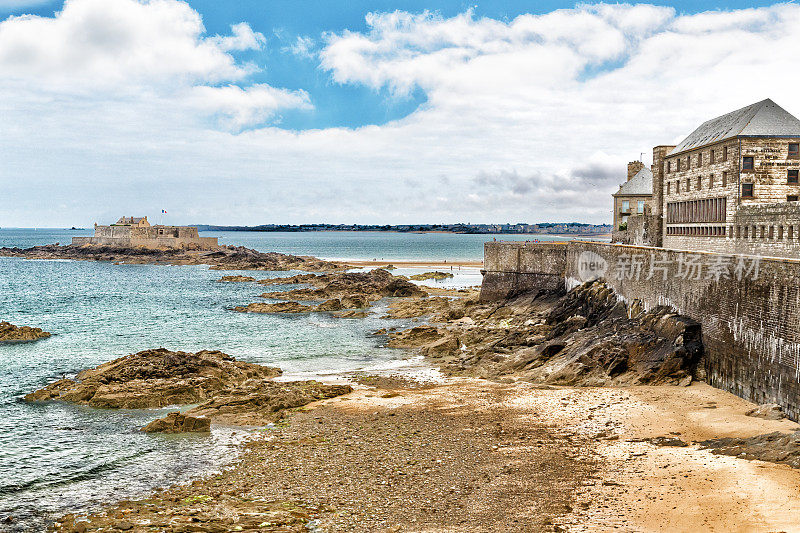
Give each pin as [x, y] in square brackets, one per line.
[132, 232]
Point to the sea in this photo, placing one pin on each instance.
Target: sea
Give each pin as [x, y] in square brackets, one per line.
[57, 458]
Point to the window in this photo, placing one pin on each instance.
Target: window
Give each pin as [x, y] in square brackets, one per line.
[747, 163]
[724, 153]
[711, 158]
[669, 167]
[688, 162]
[724, 179]
[699, 182]
[794, 149]
[791, 198]
[700, 159]
[678, 163]
[688, 185]
[747, 190]
[678, 187]
[711, 181]
[626, 206]
[640, 206]
[669, 183]
[791, 176]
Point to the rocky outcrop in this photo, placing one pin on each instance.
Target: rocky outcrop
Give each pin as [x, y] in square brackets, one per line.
[366, 286]
[178, 423]
[236, 279]
[154, 378]
[255, 403]
[225, 390]
[587, 337]
[225, 258]
[345, 291]
[777, 447]
[280, 307]
[767, 411]
[11, 333]
[431, 275]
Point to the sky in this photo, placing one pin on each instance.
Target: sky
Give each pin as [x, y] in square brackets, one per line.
[371, 112]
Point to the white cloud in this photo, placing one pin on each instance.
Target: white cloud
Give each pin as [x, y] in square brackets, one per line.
[239, 108]
[530, 119]
[302, 47]
[243, 38]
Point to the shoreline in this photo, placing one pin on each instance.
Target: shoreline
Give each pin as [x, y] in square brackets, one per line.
[416, 263]
[396, 455]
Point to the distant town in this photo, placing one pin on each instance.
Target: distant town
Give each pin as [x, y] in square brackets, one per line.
[551, 228]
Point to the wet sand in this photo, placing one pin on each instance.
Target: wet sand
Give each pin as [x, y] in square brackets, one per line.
[440, 265]
[474, 455]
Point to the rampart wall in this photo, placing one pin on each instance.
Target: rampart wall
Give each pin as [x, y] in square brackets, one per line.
[749, 307]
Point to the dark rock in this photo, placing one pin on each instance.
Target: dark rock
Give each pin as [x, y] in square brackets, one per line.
[178, 423]
[11, 333]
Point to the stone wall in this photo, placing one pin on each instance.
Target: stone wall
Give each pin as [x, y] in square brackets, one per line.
[643, 230]
[749, 307]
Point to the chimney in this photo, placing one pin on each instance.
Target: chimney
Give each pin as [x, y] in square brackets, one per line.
[633, 168]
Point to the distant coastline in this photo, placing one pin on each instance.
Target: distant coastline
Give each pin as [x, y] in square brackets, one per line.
[567, 229]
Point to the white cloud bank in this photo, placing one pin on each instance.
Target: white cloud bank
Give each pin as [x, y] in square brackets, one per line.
[527, 120]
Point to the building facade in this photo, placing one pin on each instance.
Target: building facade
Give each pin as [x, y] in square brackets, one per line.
[635, 196]
[732, 185]
[131, 232]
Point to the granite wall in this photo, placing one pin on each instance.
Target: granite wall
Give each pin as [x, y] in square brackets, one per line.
[749, 307]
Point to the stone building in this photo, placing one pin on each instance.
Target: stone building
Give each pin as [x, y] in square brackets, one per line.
[634, 196]
[137, 232]
[732, 185]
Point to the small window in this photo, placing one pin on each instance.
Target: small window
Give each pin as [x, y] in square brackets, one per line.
[669, 167]
[791, 176]
[688, 162]
[711, 156]
[626, 206]
[699, 182]
[711, 181]
[669, 183]
[640, 206]
[747, 163]
[791, 198]
[794, 149]
[724, 153]
[747, 190]
[700, 159]
[688, 185]
[678, 187]
[724, 179]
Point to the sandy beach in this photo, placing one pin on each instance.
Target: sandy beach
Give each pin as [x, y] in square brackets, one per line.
[475, 455]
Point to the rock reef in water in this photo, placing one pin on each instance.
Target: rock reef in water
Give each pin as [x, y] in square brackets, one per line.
[225, 258]
[11, 333]
[226, 390]
[431, 275]
[235, 279]
[178, 423]
[343, 291]
[372, 285]
[280, 307]
[587, 337]
[155, 378]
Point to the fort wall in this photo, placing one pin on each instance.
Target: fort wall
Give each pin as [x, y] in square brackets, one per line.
[749, 307]
[148, 237]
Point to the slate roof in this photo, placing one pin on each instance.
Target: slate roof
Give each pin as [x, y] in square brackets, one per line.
[640, 184]
[762, 119]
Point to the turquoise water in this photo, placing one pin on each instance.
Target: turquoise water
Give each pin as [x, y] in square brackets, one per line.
[57, 458]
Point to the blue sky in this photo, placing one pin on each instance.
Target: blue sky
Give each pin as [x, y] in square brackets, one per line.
[254, 112]
[283, 21]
